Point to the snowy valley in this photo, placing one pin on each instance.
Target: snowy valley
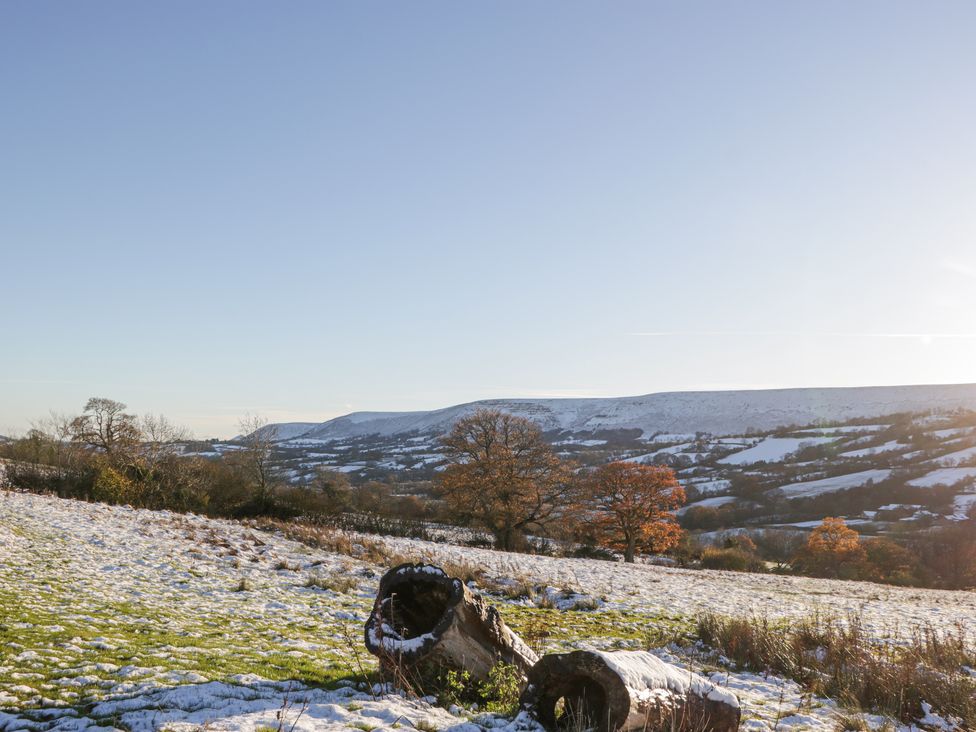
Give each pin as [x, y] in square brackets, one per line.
[885, 458]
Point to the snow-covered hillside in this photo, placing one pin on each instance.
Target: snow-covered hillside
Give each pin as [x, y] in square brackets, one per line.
[716, 412]
[781, 478]
[285, 430]
[145, 620]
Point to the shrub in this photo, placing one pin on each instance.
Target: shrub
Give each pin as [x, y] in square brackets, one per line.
[731, 559]
[499, 693]
[111, 486]
[593, 552]
[501, 690]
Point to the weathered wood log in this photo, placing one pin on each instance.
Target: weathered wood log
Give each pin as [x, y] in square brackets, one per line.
[422, 616]
[625, 691]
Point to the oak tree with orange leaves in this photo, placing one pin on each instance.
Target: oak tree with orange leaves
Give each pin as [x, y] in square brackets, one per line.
[833, 549]
[503, 476]
[631, 507]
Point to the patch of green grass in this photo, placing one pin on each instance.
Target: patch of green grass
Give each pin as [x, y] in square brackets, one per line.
[614, 628]
[67, 633]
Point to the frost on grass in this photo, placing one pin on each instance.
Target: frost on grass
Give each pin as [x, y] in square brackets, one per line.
[116, 617]
[101, 603]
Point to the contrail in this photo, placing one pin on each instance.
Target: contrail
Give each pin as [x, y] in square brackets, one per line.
[788, 333]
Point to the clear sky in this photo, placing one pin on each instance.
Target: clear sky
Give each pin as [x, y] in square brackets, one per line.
[306, 208]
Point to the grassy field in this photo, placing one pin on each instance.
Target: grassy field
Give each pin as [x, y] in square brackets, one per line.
[137, 620]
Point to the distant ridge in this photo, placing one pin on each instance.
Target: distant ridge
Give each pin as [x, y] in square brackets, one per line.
[716, 412]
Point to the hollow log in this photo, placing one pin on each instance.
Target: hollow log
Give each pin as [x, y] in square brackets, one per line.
[624, 691]
[423, 617]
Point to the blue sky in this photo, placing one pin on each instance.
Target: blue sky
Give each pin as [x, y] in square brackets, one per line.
[299, 210]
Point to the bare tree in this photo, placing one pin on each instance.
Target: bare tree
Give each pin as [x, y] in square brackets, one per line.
[159, 436]
[105, 425]
[59, 427]
[503, 476]
[255, 457]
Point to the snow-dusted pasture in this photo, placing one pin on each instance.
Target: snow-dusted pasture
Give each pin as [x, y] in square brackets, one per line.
[892, 446]
[772, 449]
[670, 591]
[944, 476]
[709, 486]
[713, 502]
[959, 456]
[141, 620]
[809, 488]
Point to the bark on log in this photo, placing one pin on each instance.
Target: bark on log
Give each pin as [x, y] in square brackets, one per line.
[422, 616]
[625, 691]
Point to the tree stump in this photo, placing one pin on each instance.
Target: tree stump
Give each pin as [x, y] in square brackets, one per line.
[625, 691]
[423, 617]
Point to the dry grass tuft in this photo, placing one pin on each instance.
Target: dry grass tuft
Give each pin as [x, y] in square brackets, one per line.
[837, 659]
[342, 583]
[464, 571]
[328, 539]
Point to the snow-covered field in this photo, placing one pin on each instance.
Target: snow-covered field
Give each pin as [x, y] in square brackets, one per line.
[126, 618]
[808, 488]
[707, 503]
[943, 476]
[884, 609]
[772, 449]
[892, 446]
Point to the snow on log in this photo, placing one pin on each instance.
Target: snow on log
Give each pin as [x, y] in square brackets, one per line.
[625, 691]
[421, 616]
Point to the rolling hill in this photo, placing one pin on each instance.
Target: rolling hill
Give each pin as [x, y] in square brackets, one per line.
[715, 412]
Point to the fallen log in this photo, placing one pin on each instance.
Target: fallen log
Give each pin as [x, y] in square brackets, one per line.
[422, 616]
[624, 691]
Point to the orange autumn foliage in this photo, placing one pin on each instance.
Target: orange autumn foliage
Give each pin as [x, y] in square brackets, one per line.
[630, 507]
[832, 550]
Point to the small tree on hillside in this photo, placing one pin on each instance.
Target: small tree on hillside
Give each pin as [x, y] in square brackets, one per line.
[832, 550]
[888, 561]
[254, 459]
[502, 476]
[631, 506]
[56, 430]
[333, 490]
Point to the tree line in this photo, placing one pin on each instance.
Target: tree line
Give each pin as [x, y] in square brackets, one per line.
[111, 455]
[942, 558]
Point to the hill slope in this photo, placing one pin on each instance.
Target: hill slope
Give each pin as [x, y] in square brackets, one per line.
[145, 621]
[717, 412]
